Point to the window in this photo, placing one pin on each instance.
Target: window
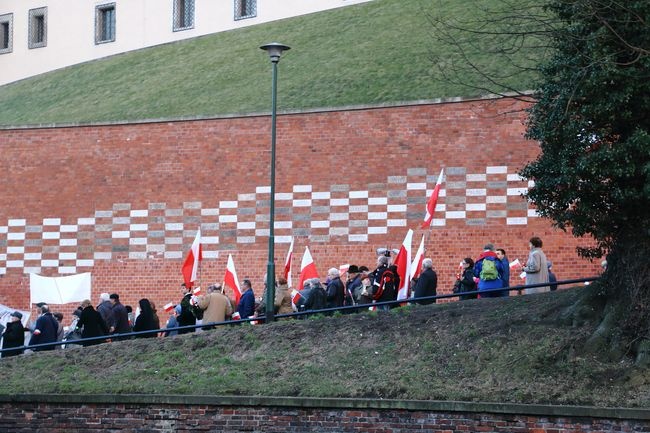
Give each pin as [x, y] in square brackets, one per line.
[105, 23]
[6, 33]
[245, 9]
[37, 28]
[183, 14]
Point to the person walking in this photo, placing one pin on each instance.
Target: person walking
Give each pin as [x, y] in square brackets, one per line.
[14, 335]
[536, 267]
[91, 324]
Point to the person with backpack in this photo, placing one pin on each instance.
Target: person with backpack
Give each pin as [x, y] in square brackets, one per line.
[488, 269]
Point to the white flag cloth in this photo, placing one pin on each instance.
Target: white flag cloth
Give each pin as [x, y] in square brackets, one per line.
[287, 264]
[5, 315]
[403, 262]
[59, 290]
[416, 266]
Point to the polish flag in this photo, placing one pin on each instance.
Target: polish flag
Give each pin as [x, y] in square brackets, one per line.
[191, 265]
[287, 264]
[343, 269]
[403, 262]
[169, 307]
[307, 269]
[416, 266]
[515, 264]
[433, 200]
[295, 296]
[231, 280]
[196, 291]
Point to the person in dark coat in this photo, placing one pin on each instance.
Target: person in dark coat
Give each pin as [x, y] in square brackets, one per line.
[466, 282]
[246, 306]
[427, 283]
[353, 286]
[145, 320]
[45, 330]
[14, 335]
[335, 289]
[105, 309]
[120, 316]
[551, 276]
[186, 317]
[317, 297]
[91, 324]
[505, 268]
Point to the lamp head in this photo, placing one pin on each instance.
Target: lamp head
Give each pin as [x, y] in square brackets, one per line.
[275, 50]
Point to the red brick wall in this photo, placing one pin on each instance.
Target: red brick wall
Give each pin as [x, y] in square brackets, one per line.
[75, 199]
[90, 418]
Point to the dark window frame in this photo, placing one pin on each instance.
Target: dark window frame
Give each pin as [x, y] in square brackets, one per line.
[183, 15]
[6, 36]
[105, 23]
[37, 28]
[245, 9]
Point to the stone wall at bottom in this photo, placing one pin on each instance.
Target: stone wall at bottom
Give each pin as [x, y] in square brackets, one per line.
[148, 414]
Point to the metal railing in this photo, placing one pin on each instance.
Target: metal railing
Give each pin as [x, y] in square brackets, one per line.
[298, 314]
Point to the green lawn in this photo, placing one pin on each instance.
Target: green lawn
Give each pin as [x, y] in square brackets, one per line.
[377, 52]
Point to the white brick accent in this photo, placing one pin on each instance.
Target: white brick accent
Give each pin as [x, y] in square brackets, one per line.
[228, 204]
[358, 194]
[302, 188]
[302, 203]
[377, 200]
[517, 221]
[502, 169]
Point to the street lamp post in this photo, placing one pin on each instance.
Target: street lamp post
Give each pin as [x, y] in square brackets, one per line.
[275, 51]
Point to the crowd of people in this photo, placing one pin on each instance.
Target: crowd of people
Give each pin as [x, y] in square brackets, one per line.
[110, 319]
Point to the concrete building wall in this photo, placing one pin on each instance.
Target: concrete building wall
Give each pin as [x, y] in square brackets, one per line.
[70, 28]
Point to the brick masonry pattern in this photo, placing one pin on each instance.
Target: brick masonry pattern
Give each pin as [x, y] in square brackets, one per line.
[128, 418]
[123, 201]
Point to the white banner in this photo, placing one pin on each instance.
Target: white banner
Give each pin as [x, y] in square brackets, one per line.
[5, 315]
[59, 290]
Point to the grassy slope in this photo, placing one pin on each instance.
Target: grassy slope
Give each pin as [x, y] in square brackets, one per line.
[505, 350]
[370, 53]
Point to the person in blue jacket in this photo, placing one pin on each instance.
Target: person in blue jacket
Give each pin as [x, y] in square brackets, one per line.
[505, 276]
[488, 280]
[246, 306]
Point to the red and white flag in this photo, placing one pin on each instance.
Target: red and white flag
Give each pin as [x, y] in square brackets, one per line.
[191, 265]
[515, 264]
[416, 266]
[196, 291]
[343, 269]
[169, 307]
[287, 264]
[307, 268]
[403, 262]
[433, 200]
[295, 297]
[231, 280]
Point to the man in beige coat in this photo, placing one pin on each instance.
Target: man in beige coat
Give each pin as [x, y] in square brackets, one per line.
[215, 305]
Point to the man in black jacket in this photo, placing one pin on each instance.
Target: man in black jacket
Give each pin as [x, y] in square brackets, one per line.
[14, 335]
[335, 289]
[427, 283]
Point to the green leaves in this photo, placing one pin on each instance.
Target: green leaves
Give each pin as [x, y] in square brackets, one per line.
[592, 119]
